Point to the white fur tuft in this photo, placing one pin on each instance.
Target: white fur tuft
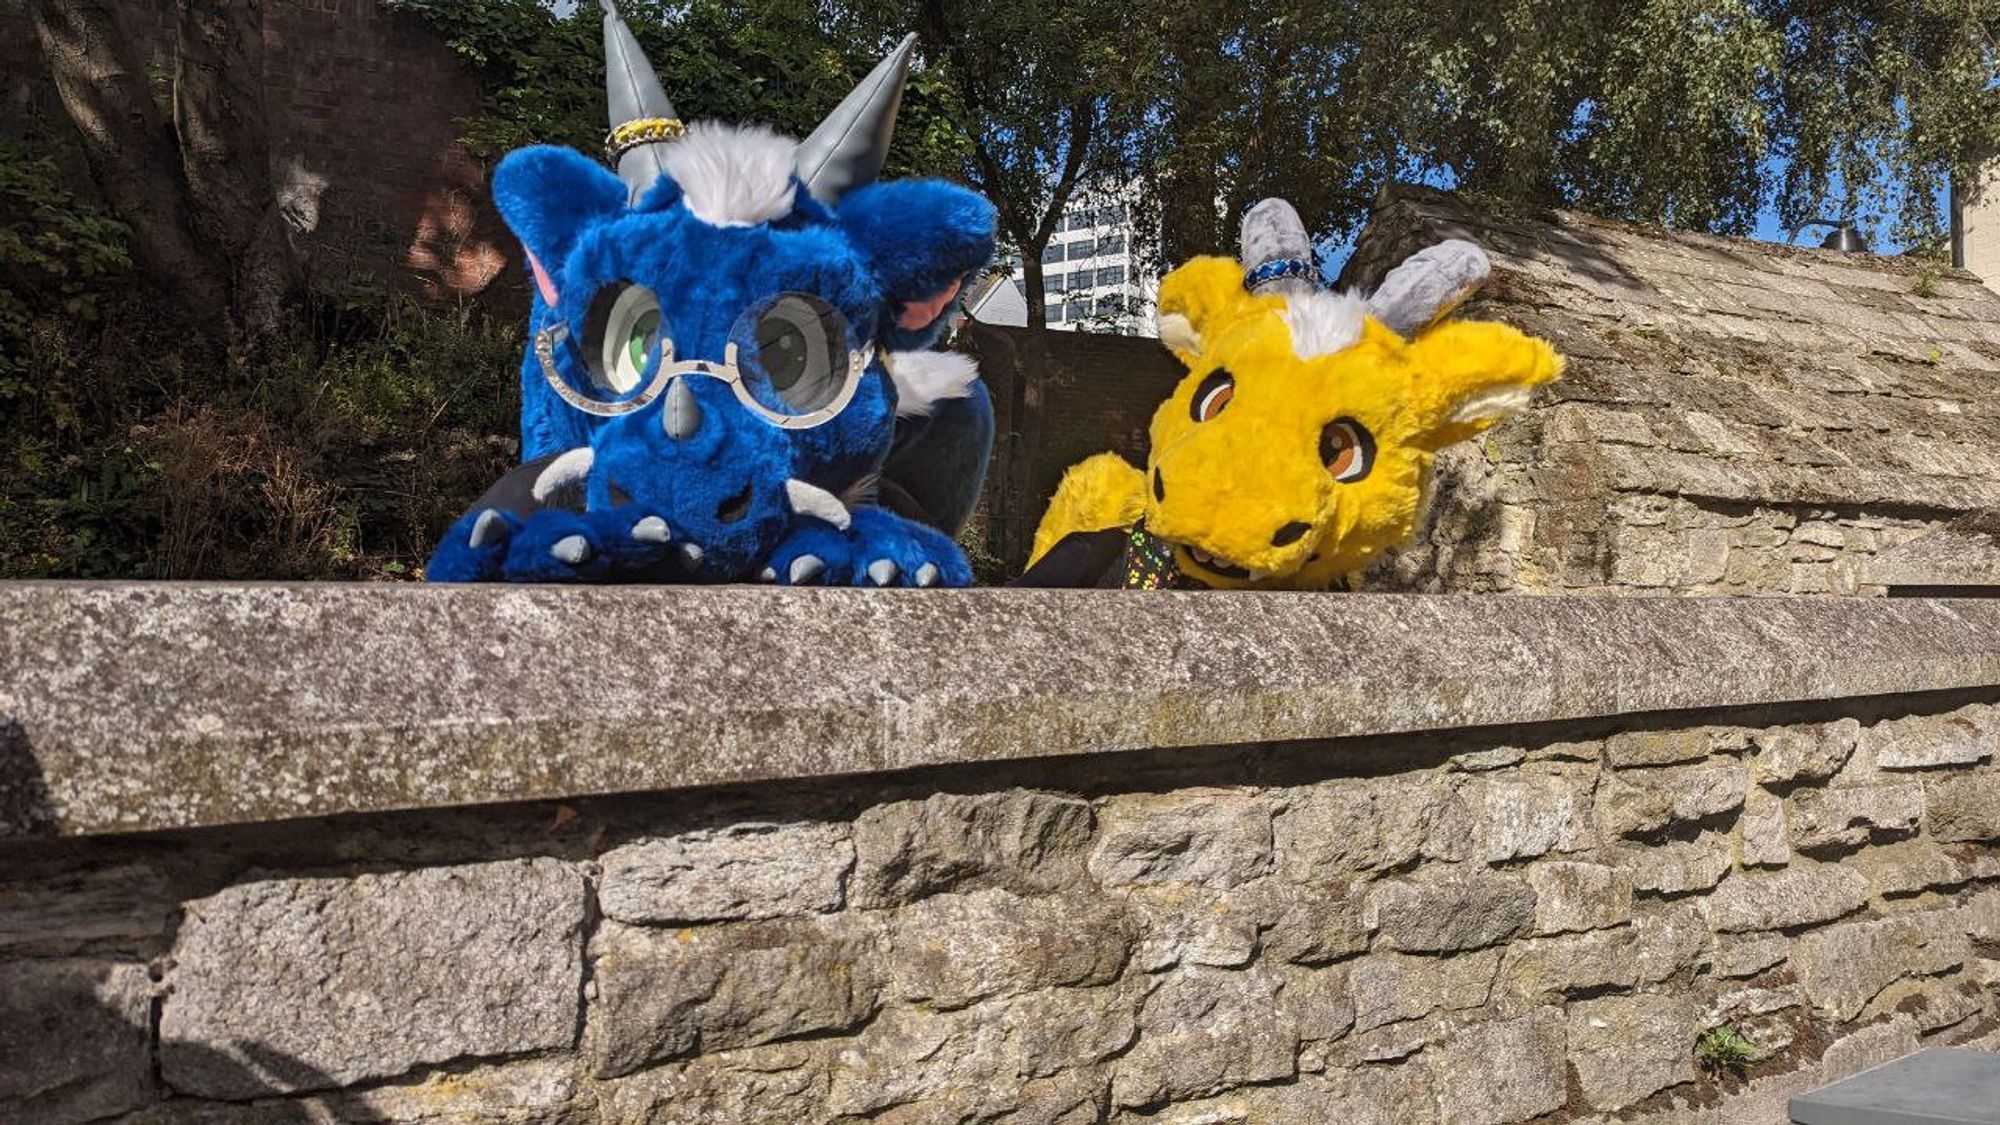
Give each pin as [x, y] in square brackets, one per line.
[731, 175]
[1177, 333]
[1323, 323]
[1495, 405]
[924, 379]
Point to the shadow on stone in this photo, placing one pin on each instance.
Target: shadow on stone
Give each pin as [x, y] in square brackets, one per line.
[25, 808]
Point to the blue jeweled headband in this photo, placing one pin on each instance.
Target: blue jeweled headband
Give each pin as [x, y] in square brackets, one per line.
[1278, 268]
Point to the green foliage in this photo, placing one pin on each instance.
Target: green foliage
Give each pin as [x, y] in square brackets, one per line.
[1723, 1049]
[779, 64]
[55, 250]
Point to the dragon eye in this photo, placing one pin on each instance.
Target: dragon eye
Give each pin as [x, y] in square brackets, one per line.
[1213, 396]
[797, 344]
[1347, 449]
[620, 333]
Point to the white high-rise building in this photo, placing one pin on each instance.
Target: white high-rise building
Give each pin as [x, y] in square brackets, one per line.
[1090, 275]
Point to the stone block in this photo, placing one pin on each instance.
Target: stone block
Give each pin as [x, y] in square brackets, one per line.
[1539, 970]
[1844, 967]
[1963, 808]
[1667, 747]
[1670, 942]
[1526, 816]
[1746, 957]
[1627, 1048]
[743, 871]
[1639, 802]
[663, 994]
[949, 951]
[1908, 868]
[1203, 1031]
[1835, 819]
[1675, 867]
[777, 1084]
[1766, 836]
[127, 905]
[1501, 1072]
[1307, 924]
[1571, 897]
[1965, 736]
[1320, 1001]
[1178, 924]
[1796, 896]
[1212, 838]
[74, 1040]
[1793, 754]
[1389, 988]
[1460, 912]
[1022, 841]
[284, 985]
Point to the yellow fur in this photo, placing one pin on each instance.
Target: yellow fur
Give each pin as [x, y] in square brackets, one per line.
[1231, 482]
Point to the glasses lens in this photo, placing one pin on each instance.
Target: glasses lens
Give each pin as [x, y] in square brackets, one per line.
[621, 334]
[793, 351]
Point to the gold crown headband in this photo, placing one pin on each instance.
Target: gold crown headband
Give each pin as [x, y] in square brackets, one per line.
[643, 131]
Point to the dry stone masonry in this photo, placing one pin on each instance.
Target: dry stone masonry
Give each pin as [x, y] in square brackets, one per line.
[1462, 928]
[1737, 417]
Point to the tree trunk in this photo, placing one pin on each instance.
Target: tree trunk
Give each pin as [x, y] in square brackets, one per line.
[196, 191]
[131, 151]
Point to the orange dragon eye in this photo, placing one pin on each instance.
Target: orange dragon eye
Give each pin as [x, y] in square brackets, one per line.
[1347, 449]
[1213, 395]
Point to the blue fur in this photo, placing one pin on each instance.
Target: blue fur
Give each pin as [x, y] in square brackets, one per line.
[723, 488]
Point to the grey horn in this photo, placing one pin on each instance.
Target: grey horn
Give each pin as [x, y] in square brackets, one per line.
[849, 147]
[681, 416]
[1277, 253]
[633, 93]
[1428, 284]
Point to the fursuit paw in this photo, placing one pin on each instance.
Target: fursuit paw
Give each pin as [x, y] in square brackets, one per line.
[556, 545]
[889, 550]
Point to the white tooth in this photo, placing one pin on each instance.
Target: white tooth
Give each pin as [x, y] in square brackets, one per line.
[572, 549]
[927, 574]
[562, 472]
[488, 528]
[691, 554]
[812, 500]
[767, 575]
[805, 568]
[882, 572]
[652, 529]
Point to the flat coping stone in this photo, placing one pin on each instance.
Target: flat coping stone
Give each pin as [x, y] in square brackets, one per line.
[1937, 1086]
[1962, 553]
[131, 707]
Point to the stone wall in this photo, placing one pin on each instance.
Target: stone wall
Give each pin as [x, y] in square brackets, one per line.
[1738, 417]
[1524, 918]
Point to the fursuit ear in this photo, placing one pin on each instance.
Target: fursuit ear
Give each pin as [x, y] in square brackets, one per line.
[1472, 374]
[548, 196]
[922, 239]
[1196, 299]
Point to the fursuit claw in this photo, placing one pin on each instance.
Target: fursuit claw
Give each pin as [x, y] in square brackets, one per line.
[652, 529]
[805, 568]
[691, 554]
[812, 500]
[882, 571]
[571, 549]
[927, 574]
[488, 528]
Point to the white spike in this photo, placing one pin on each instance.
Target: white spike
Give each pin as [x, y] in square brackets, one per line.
[572, 549]
[812, 500]
[488, 528]
[562, 472]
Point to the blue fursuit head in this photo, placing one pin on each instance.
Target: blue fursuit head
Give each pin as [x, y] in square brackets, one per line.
[730, 376]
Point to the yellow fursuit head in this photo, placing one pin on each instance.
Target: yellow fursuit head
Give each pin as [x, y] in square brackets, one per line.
[1299, 445]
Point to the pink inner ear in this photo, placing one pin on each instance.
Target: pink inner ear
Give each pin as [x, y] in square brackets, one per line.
[917, 314]
[542, 282]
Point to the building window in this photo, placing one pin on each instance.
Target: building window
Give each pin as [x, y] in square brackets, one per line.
[1111, 244]
[1053, 312]
[1080, 249]
[1111, 275]
[1076, 309]
[1055, 282]
[1110, 306]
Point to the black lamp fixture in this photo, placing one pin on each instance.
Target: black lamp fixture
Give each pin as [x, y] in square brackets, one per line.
[1843, 237]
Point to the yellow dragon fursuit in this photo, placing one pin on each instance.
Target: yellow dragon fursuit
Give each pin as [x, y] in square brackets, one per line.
[1299, 445]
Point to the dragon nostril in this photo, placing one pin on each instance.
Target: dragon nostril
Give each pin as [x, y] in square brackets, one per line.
[1290, 533]
[734, 508]
[1159, 488]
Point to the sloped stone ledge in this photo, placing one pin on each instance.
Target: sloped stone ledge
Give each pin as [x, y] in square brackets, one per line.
[133, 707]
